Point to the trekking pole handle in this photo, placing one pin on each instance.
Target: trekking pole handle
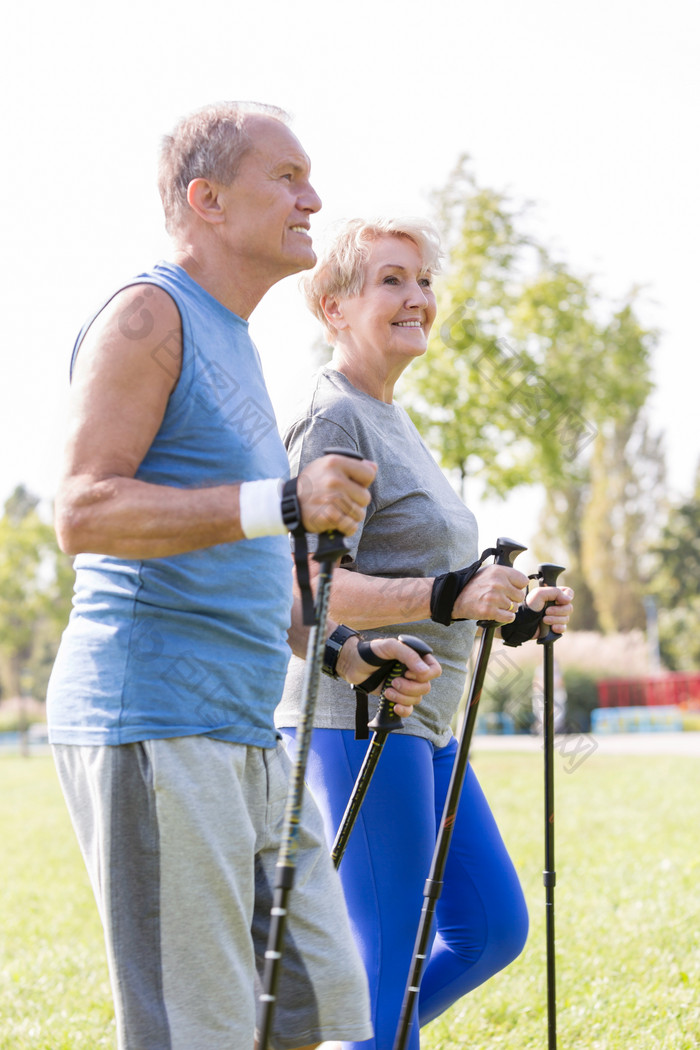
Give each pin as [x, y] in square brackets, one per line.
[386, 719]
[506, 551]
[331, 544]
[548, 574]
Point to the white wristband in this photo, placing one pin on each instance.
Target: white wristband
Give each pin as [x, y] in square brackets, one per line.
[260, 504]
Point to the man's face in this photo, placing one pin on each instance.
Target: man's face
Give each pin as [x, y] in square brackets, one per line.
[269, 204]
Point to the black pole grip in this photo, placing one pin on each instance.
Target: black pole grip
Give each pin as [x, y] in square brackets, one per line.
[548, 574]
[385, 719]
[506, 553]
[331, 544]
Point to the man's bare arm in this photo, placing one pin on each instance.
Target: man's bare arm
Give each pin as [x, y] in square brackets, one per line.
[121, 384]
[119, 394]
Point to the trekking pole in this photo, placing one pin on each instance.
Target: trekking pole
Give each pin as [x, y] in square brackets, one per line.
[548, 574]
[506, 551]
[382, 724]
[331, 545]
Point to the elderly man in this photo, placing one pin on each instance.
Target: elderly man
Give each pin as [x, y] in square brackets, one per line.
[162, 696]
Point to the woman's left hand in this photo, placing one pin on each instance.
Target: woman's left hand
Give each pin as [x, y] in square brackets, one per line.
[558, 614]
[405, 691]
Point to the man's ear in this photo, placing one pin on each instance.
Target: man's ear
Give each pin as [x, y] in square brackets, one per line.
[333, 312]
[203, 199]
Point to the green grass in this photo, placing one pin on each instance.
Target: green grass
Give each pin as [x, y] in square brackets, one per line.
[627, 912]
[54, 990]
[627, 908]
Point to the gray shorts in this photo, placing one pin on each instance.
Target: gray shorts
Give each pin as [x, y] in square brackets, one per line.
[181, 838]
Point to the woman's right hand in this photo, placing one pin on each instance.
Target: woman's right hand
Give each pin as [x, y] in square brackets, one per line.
[493, 593]
[406, 690]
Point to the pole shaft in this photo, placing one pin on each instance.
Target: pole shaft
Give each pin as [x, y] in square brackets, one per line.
[357, 797]
[548, 574]
[383, 723]
[549, 869]
[290, 835]
[506, 551]
[433, 885]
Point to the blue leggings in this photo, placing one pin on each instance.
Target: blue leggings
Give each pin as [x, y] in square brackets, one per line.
[481, 916]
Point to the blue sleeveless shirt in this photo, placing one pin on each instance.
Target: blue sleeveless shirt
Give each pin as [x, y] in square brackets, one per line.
[194, 643]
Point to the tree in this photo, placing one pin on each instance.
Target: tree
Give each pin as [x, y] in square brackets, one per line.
[607, 507]
[675, 583]
[35, 586]
[531, 380]
[455, 394]
[620, 520]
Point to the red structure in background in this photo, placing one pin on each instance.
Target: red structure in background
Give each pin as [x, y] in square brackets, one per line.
[675, 688]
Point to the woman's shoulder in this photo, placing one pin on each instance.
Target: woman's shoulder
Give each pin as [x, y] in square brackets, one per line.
[333, 391]
[322, 418]
[330, 397]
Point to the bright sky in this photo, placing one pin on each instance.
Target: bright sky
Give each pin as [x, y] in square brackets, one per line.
[588, 109]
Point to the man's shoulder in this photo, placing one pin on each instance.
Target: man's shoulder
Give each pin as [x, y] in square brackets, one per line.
[131, 329]
[139, 311]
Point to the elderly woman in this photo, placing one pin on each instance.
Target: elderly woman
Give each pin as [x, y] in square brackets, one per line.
[373, 293]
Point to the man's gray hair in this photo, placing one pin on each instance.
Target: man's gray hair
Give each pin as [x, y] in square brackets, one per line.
[207, 144]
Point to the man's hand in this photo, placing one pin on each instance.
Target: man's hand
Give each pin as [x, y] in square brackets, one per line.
[494, 593]
[333, 493]
[406, 691]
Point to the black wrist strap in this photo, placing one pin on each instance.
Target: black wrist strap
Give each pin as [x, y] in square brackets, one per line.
[331, 652]
[448, 587]
[524, 626]
[365, 651]
[363, 690]
[291, 516]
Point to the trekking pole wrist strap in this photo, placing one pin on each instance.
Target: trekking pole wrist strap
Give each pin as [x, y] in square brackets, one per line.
[362, 691]
[524, 627]
[448, 587]
[334, 644]
[291, 516]
[291, 509]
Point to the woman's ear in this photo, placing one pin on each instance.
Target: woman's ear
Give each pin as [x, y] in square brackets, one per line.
[333, 312]
[203, 199]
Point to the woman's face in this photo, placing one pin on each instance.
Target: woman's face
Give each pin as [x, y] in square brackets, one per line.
[395, 310]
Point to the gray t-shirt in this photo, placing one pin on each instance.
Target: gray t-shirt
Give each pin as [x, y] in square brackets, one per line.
[415, 526]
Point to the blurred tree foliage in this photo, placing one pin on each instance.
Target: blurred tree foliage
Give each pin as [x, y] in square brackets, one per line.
[675, 583]
[532, 379]
[36, 582]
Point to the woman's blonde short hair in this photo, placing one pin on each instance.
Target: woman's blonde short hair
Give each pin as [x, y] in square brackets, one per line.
[342, 267]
